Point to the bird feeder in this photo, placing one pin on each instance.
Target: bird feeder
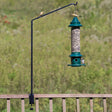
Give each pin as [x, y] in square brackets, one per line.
[75, 44]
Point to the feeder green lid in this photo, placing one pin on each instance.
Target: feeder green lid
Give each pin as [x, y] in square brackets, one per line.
[75, 22]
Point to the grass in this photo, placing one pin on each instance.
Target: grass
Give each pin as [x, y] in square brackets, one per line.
[52, 48]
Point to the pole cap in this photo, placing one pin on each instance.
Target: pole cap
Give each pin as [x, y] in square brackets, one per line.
[75, 22]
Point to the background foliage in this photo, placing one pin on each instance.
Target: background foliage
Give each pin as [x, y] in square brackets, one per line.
[51, 51]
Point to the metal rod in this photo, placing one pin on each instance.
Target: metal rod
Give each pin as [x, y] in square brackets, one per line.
[31, 57]
[31, 96]
[54, 11]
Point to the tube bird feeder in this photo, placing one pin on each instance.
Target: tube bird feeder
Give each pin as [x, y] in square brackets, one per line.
[75, 43]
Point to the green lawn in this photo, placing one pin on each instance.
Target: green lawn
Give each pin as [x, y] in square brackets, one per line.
[52, 47]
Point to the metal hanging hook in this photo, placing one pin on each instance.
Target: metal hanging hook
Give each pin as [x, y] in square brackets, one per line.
[76, 11]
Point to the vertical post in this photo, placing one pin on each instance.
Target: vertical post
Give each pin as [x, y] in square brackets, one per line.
[104, 105]
[8, 105]
[51, 104]
[78, 105]
[31, 57]
[91, 104]
[64, 104]
[22, 105]
[31, 96]
[37, 105]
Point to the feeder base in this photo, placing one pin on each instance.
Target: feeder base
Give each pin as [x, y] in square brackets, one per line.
[76, 60]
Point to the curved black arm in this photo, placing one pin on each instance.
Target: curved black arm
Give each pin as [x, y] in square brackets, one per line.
[54, 11]
[31, 96]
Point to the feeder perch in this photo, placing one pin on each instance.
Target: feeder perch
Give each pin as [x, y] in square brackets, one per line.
[75, 43]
